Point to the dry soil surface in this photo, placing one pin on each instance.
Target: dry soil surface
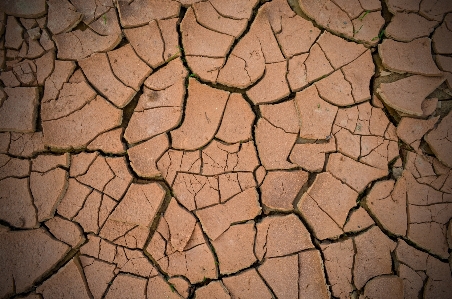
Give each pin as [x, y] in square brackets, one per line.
[225, 149]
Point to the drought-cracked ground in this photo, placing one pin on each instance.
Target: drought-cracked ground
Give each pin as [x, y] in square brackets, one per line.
[225, 149]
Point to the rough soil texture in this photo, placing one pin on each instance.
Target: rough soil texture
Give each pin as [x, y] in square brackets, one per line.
[203, 149]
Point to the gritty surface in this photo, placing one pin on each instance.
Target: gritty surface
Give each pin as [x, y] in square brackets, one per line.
[225, 149]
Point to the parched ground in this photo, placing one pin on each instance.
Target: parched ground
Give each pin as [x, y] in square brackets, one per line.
[216, 149]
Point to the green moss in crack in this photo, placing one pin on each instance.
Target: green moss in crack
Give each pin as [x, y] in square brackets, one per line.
[380, 35]
[363, 15]
[174, 56]
[357, 31]
[172, 287]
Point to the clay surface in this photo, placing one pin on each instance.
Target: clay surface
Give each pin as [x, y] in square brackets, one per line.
[225, 149]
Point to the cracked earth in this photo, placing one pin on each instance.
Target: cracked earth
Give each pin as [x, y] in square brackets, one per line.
[225, 149]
